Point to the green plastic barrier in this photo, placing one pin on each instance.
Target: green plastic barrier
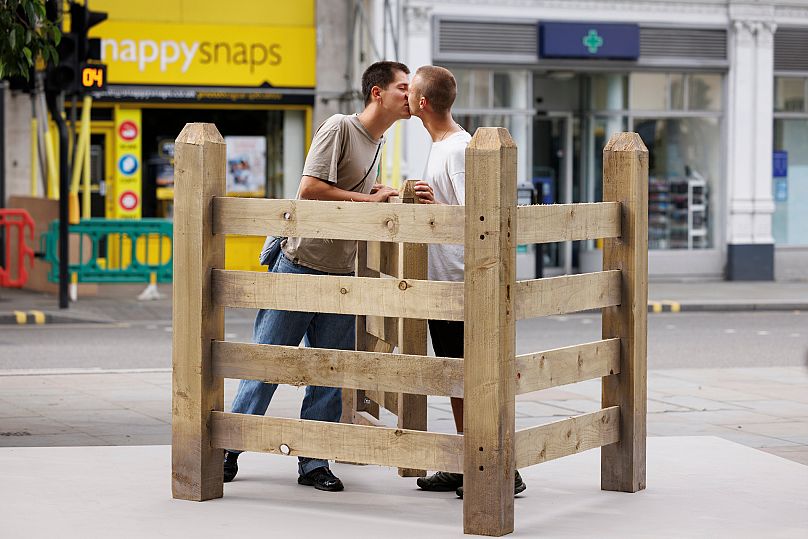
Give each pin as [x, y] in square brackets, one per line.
[115, 250]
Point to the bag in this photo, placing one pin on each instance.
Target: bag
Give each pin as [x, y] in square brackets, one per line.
[270, 251]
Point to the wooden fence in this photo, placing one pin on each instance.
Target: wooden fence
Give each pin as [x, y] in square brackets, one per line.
[490, 301]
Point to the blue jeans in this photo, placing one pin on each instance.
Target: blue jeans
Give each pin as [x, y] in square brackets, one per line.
[318, 330]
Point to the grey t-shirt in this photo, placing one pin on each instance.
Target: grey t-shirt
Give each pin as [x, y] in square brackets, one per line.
[342, 153]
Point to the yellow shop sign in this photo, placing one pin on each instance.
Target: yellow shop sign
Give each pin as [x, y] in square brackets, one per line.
[208, 55]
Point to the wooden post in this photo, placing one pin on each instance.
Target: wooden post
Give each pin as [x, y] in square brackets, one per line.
[199, 175]
[625, 180]
[490, 333]
[412, 411]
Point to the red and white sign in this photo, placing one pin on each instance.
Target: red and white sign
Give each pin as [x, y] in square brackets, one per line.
[128, 200]
[128, 130]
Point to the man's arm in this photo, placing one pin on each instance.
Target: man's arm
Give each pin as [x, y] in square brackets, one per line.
[312, 188]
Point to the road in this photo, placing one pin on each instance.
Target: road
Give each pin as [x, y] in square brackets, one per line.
[675, 340]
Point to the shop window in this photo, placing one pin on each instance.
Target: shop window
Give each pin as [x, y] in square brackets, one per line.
[463, 79]
[480, 89]
[790, 94]
[608, 92]
[648, 91]
[790, 184]
[677, 89]
[704, 91]
[683, 173]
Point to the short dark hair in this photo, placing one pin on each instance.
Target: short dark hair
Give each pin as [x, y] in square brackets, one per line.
[380, 74]
[439, 87]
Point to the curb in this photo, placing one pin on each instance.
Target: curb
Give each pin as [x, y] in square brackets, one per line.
[668, 306]
[35, 317]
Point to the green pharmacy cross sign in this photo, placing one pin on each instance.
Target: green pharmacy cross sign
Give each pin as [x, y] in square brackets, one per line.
[589, 40]
[592, 41]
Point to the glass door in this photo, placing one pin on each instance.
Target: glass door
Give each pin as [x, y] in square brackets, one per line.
[552, 177]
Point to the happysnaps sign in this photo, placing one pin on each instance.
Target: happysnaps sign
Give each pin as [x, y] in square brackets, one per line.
[207, 55]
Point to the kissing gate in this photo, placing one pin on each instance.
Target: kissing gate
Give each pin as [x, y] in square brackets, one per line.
[490, 301]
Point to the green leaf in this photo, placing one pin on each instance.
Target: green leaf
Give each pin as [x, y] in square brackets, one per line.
[57, 35]
[27, 52]
[12, 39]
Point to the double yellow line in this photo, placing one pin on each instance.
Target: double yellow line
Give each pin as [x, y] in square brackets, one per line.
[660, 306]
[37, 317]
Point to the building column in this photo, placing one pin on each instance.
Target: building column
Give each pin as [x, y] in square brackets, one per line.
[417, 49]
[750, 245]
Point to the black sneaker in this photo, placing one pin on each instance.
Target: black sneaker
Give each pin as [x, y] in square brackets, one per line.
[230, 466]
[322, 479]
[441, 482]
[518, 486]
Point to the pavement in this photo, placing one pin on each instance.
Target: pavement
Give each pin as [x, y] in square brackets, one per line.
[119, 303]
[763, 408]
[697, 487]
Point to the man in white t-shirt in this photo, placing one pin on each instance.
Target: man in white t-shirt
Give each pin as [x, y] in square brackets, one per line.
[432, 92]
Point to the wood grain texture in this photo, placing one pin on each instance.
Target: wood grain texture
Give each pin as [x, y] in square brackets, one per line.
[367, 221]
[548, 223]
[199, 175]
[408, 298]
[567, 437]
[490, 332]
[560, 366]
[567, 294]
[339, 441]
[421, 374]
[625, 180]
[412, 409]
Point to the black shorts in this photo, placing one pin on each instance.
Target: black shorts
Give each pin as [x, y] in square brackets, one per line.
[447, 338]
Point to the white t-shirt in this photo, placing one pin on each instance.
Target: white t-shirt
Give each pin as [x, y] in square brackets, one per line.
[446, 173]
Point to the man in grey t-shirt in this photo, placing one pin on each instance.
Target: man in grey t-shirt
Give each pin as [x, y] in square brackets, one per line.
[342, 165]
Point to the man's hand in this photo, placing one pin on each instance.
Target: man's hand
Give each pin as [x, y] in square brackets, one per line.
[381, 193]
[424, 192]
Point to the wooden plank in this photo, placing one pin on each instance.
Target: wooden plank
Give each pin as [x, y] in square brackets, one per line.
[490, 332]
[364, 418]
[385, 329]
[353, 399]
[409, 298]
[550, 223]
[422, 374]
[567, 437]
[367, 221]
[196, 467]
[625, 180]
[338, 441]
[567, 365]
[567, 294]
[411, 405]
[383, 257]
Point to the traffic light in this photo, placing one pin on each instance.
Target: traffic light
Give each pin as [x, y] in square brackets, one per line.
[72, 74]
[81, 20]
[63, 76]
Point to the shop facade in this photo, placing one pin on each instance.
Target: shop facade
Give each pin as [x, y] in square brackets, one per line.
[249, 70]
[564, 76]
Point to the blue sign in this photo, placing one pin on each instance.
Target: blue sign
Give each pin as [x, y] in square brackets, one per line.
[589, 40]
[779, 164]
[128, 164]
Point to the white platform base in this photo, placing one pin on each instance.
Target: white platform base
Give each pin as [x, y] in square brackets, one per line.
[697, 487]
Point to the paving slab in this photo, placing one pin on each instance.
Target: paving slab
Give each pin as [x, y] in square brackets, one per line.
[697, 487]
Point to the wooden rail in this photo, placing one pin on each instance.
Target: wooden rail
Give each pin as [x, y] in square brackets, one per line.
[338, 220]
[392, 299]
[550, 223]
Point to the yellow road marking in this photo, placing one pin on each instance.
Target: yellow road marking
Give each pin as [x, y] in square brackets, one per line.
[39, 316]
[657, 307]
[20, 316]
